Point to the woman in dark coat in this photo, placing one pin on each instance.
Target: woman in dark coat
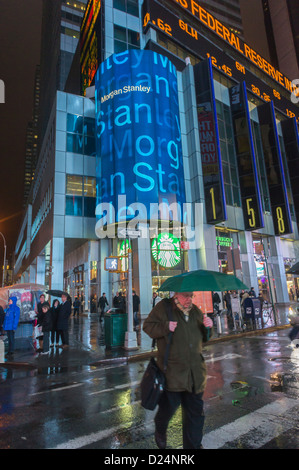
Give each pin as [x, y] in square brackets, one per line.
[54, 317]
[63, 320]
[44, 320]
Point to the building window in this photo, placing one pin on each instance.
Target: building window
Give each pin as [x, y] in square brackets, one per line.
[80, 135]
[89, 196]
[261, 170]
[229, 163]
[70, 32]
[128, 6]
[74, 193]
[80, 196]
[125, 39]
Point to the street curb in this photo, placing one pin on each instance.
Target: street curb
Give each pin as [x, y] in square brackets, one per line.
[18, 365]
[148, 354]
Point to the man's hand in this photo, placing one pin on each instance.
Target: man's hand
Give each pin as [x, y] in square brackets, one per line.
[207, 322]
[172, 325]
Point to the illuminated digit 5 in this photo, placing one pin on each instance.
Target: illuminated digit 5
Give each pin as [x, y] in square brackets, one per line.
[280, 221]
[250, 212]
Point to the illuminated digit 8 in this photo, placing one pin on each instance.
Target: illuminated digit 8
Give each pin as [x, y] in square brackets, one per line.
[280, 221]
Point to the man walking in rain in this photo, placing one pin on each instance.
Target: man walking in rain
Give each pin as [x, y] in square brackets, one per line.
[186, 369]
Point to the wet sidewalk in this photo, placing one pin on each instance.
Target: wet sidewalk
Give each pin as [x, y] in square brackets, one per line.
[87, 343]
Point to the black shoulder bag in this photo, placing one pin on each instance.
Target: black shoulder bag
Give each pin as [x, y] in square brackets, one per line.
[153, 381]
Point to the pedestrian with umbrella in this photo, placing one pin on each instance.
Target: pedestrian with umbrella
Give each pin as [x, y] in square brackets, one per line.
[185, 374]
[186, 370]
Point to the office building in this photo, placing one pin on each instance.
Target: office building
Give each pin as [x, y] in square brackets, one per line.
[271, 27]
[177, 109]
[31, 146]
[61, 22]
[226, 11]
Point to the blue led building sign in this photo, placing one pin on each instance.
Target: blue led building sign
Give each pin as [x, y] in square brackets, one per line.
[249, 185]
[209, 143]
[274, 169]
[138, 134]
[291, 143]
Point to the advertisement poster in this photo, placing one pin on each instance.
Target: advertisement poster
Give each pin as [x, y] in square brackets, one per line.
[203, 300]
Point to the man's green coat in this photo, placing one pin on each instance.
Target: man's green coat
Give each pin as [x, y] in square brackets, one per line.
[186, 369]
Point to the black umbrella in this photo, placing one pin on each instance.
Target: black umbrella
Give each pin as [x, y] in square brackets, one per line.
[294, 269]
[56, 293]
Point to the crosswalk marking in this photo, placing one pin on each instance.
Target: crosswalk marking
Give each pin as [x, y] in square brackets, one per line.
[117, 387]
[259, 427]
[51, 390]
[83, 441]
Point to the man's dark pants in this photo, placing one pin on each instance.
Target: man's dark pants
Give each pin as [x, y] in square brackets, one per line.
[192, 414]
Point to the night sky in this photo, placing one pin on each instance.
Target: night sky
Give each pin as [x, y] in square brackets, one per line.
[20, 27]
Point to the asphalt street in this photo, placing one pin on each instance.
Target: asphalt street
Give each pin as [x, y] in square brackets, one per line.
[251, 401]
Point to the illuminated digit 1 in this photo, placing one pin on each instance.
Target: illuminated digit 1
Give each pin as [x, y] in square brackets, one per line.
[280, 221]
[250, 212]
[213, 203]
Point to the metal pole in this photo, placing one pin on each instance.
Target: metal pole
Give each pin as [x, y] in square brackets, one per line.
[130, 338]
[4, 262]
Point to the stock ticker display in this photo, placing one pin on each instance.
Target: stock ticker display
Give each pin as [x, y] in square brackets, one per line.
[192, 38]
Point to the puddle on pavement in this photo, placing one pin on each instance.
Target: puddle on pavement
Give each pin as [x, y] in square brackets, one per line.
[284, 382]
[241, 390]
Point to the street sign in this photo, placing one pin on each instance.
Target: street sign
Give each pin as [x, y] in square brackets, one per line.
[128, 233]
[112, 264]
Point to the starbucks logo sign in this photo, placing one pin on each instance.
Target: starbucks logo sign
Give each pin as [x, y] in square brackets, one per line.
[166, 250]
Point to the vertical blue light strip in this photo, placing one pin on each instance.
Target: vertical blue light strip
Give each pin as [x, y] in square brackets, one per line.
[253, 155]
[281, 166]
[217, 137]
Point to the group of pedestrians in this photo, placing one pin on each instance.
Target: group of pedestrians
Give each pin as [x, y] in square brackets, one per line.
[53, 322]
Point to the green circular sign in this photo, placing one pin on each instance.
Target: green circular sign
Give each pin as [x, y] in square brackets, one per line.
[166, 250]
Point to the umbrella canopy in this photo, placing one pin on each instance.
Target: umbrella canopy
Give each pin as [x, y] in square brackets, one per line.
[294, 269]
[56, 293]
[202, 280]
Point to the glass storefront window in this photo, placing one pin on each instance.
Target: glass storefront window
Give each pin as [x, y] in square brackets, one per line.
[261, 268]
[93, 272]
[167, 258]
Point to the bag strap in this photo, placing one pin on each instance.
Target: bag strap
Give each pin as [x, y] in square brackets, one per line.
[170, 318]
